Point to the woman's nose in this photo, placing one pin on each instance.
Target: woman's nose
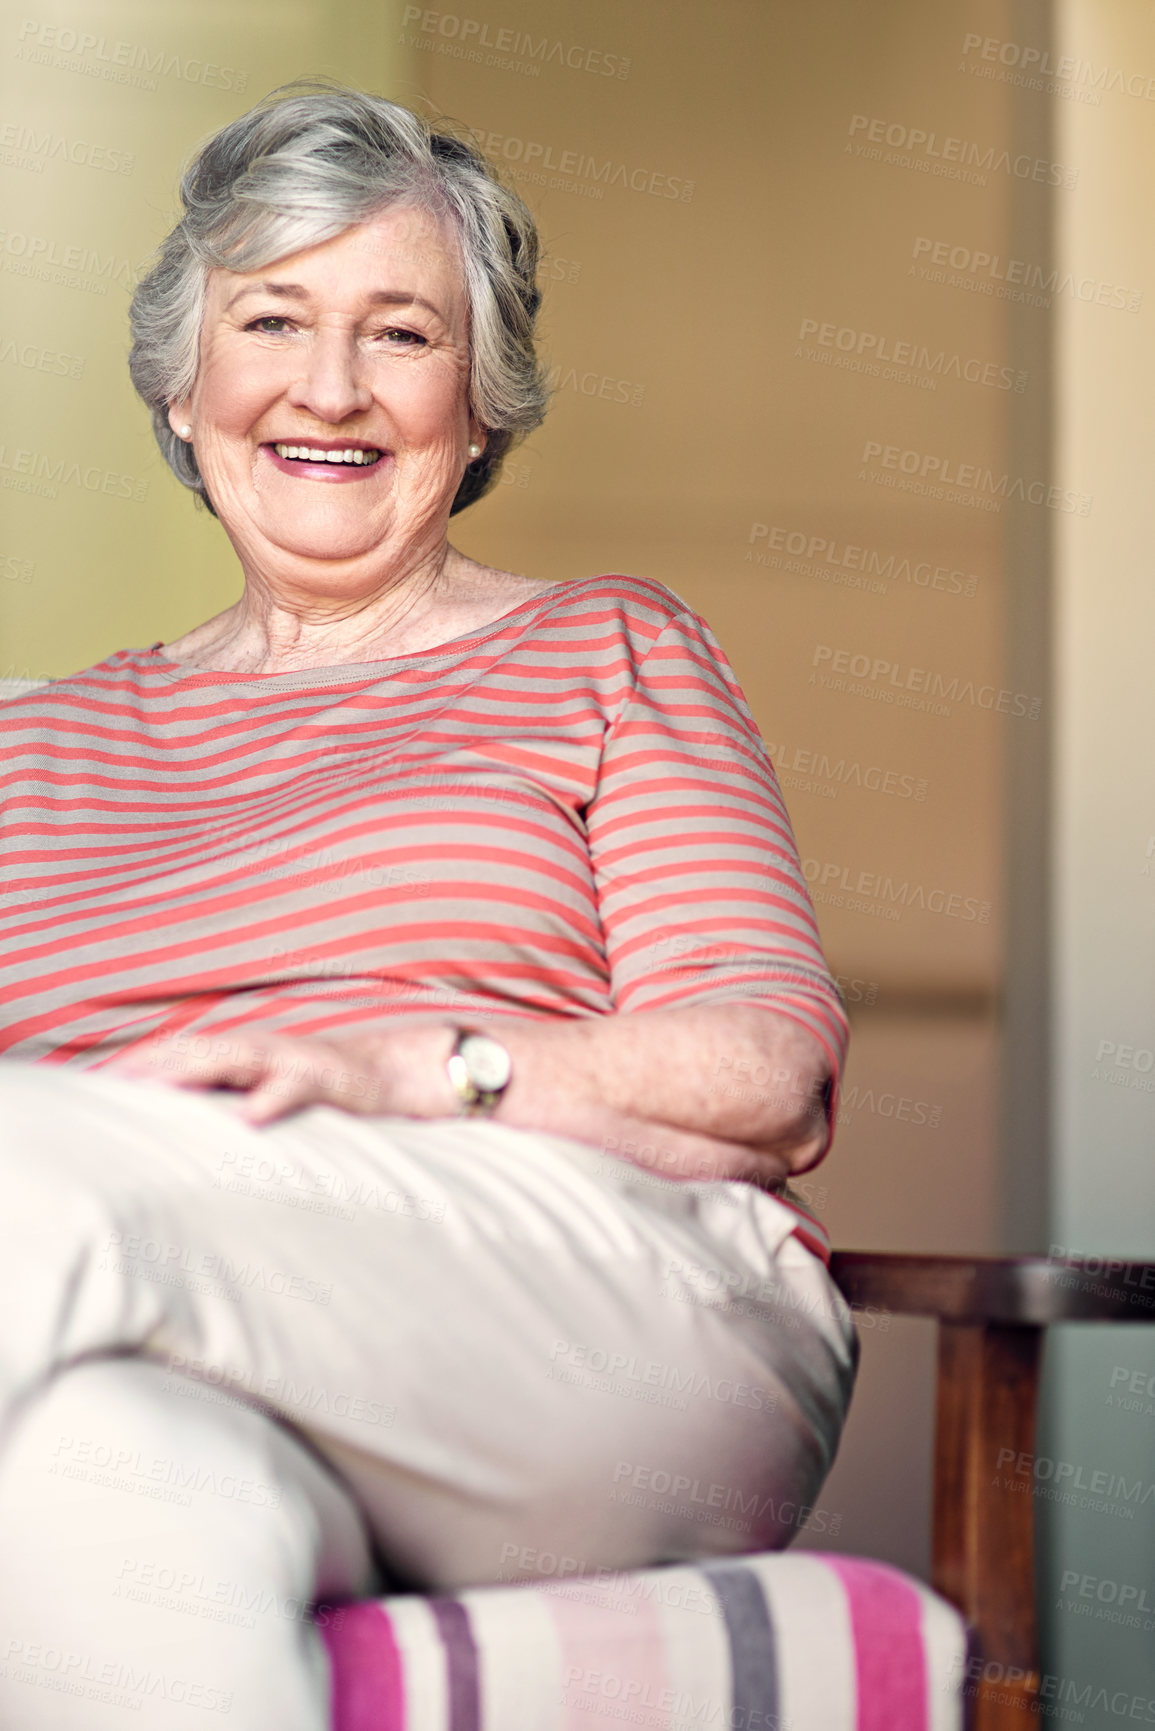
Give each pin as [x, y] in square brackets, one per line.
[331, 384]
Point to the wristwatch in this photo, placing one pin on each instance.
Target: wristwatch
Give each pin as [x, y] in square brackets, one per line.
[480, 1069]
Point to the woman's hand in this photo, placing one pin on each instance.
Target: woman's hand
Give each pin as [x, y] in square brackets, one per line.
[277, 1073]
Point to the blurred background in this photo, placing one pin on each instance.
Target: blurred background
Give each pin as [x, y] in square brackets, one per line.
[851, 316]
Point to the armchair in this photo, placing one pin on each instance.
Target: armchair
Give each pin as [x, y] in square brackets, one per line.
[784, 1642]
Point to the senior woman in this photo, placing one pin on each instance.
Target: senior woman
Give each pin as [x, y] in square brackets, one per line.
[411, 1005]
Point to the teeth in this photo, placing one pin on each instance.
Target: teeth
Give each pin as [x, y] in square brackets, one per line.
[308, 454]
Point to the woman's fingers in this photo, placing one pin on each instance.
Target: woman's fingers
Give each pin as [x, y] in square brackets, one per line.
[274, 1095]
[277, 1074]
[231, 1062]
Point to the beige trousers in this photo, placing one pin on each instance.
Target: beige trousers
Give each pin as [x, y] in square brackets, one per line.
[235, 1362]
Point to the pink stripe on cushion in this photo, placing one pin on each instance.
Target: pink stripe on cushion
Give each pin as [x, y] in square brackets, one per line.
[365, 1664]
[611, 1630]
[890, 1660]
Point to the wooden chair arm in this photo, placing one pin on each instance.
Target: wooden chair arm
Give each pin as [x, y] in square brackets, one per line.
[991, 1313]
[1012, 1289]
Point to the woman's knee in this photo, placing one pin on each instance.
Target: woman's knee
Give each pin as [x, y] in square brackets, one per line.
[162, 1546]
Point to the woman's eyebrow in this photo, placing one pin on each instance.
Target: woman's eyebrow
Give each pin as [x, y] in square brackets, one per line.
[288, 290]
[403, 298]
[295, 291]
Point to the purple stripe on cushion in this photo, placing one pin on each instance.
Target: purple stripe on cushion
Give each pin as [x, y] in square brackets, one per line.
[462, 1685]
[753, 1655]
[890, 1659]
[368, 1688]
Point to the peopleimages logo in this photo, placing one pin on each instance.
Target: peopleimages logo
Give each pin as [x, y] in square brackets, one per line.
[646, 1379]
[52, 260]
[1035, 281]
[957, 158]
[1068, 1476]
[962, 483]
[1137, 1394]
[1105, 1591]
[133, 63]
[809, 769]
[1053, 1691]
[43, 474]
[581, 171]
[886, 681]
[847, 562]
[872, 892]
[532, 53]
[896, 354]
[902, 1107]
[745, 1509]
[116, 1682]
[22, 146]
[37, 359]
[1038, 62]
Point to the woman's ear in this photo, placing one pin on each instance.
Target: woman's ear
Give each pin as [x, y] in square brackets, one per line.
[178, 420]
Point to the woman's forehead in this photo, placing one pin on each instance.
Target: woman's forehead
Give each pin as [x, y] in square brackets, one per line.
[404, 247]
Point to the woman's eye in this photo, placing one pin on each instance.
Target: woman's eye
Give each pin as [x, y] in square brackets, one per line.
[269, 324]
[403, 338]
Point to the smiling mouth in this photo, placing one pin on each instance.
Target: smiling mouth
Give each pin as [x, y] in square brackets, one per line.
[355, 455]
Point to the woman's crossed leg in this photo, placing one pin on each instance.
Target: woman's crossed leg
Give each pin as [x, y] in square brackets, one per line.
[498, 1349]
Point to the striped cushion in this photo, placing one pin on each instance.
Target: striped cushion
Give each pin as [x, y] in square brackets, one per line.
[766, 1643]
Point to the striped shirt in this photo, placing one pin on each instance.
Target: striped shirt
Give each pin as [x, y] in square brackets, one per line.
[569, 812]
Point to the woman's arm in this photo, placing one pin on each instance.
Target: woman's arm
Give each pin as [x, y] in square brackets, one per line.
[719, 1091]
[736, 1074]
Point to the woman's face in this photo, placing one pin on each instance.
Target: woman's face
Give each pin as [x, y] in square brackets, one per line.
[356, 349]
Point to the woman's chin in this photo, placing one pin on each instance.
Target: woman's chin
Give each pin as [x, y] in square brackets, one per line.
[323, 550]
[321, 535]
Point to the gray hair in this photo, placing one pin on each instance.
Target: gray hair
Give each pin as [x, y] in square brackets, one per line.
[309, 162]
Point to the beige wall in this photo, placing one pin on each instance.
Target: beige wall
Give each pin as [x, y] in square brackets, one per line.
[710, 202]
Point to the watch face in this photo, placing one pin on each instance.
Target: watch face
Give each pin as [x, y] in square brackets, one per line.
[487, 1061]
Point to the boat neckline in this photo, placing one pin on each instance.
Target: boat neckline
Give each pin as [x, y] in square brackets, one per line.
[346, 669]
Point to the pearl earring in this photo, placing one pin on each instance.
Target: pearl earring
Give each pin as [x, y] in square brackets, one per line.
[475, 451]
[186, 432]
